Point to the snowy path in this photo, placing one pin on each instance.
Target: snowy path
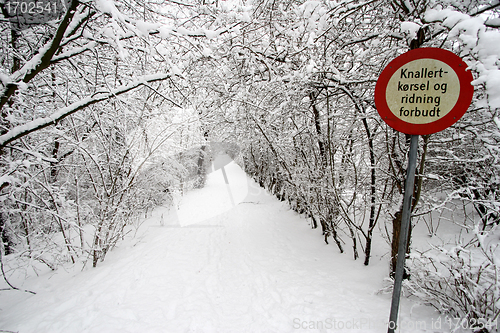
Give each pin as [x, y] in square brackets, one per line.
[254, 267]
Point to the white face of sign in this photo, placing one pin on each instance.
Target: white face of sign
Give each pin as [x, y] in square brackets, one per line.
[423, 91]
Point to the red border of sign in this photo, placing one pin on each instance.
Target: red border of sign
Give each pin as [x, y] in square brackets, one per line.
[463, 102]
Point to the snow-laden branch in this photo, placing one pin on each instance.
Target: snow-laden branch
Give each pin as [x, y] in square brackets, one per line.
[480, 44]
[497, 122]
[360, 40]
[73, 52]
[40, 61]
[37, 124]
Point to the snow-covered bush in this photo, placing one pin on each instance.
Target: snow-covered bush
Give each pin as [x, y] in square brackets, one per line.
[461, 280]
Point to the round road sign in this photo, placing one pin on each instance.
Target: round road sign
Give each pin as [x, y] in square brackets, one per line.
[424, 91]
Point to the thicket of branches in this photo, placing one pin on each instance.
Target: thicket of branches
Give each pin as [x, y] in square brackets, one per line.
[301, 88]
[92, 104]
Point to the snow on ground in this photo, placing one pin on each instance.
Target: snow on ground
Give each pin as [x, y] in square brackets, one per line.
[252, 265]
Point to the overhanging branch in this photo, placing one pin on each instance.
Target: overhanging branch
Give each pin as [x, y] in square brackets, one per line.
[37, 124]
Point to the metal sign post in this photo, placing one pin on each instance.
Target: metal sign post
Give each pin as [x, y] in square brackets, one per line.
[403, 236]
[423, 91]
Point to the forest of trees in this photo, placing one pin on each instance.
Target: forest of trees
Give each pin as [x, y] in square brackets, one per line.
[110, 108]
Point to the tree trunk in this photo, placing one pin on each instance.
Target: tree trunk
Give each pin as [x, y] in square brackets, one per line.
[396, 231]
[6, 241]
[201, 173]
[373, 220]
